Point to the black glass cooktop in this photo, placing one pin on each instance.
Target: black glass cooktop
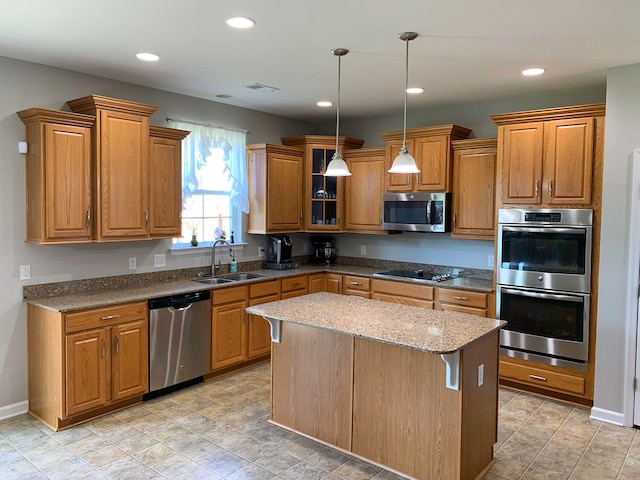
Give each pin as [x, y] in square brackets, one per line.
[417, 275]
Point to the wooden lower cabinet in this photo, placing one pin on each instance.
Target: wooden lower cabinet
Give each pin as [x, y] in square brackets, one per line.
[356, 286]
[462, 301]
[259, 334]
[86, 363]
[228, 326]
[316, 282]
[402, 292]
[333, 282]
[294, 286]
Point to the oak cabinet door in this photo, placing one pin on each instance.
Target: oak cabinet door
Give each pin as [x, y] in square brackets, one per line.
[522, 163]
[165, 187]
[229, 332]
[568, 161]
[364, 190]
[130, 356]
[398, 182]
[86, 370]
[432, 157]
[333, 283]
[123, 189]
[259, 329]
[284, 208]
[68, 182]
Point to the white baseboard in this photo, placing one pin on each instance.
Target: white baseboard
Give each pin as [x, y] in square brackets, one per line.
[608, 416]
[13, 410]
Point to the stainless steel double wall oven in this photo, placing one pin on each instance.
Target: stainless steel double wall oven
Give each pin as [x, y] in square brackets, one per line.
[544, 284]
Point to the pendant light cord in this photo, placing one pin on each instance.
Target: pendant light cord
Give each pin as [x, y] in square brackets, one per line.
[338, 106]
[406, 85]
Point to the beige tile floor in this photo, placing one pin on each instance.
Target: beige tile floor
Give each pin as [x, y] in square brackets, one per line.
[218, 430]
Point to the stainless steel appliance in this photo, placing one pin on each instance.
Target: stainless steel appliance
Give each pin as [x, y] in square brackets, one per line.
[417, 212]
[179, 339]
[324, 251]
[543, 284]
[279, 250]
[418, 275]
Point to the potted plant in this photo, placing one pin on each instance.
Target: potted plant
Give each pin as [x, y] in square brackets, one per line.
[193, 226]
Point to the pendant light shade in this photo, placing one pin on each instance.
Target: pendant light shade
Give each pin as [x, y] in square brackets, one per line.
[404, 162]
[337, 166]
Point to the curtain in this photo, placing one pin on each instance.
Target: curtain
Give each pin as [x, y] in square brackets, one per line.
[197, 147]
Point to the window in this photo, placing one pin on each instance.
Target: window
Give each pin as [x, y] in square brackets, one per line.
[214, 191]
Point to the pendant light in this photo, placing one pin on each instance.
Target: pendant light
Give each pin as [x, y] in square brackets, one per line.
[404, 162]
[337, 166]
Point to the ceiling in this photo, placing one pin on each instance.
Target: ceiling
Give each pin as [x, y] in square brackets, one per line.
[468, 50]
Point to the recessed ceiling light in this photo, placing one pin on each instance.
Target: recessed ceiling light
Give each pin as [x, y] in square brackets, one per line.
[240, 22]
[324, 103]
[532, 72]
[147, 57]
[222, 95]
[415, 90]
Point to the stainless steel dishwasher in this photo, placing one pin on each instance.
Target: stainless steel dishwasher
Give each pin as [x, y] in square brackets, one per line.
[179, 339]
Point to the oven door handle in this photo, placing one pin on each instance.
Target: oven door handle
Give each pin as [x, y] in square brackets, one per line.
[547, 296]
[569, 231]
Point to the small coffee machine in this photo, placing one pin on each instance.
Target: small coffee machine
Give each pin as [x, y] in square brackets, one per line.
[324, 251]
[279, 248]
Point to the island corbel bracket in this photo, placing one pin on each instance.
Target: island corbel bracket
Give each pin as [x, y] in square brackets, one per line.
[276, 328]
[453, 369]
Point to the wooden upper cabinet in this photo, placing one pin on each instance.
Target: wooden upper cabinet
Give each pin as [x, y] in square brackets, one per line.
[546, 157]
[121, 156]
[473, 198]
[165, 181]
[323, 197]
[58, 175]
[275, 188]
[364, 190]
[431, 149]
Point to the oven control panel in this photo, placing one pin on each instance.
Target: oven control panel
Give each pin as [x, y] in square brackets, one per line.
[543, 217]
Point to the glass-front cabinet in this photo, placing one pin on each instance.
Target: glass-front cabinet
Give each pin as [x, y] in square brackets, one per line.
[323, 196]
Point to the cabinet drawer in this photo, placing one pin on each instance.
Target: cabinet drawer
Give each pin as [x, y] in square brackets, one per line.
[263, 289]
[414, 302]
[226, 295]
[421, 292]
[462, 297]
[104, 317]
[542, 378]
[462, 309]
[356, 283]
[293, 283]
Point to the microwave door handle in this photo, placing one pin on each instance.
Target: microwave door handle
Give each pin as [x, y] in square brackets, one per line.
[547, 296]
[428, 213]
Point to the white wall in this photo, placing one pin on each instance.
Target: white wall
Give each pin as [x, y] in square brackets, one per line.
[622, 136]
[24, 85]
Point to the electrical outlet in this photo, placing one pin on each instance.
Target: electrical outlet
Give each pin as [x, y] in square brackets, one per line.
[490, 261]
[480, 374]
[363, 249]
[160, 260]
[25, 272]
[132, 263]
[260, 252]
[305, 247]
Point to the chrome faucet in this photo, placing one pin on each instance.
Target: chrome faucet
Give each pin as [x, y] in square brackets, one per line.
[215, 268]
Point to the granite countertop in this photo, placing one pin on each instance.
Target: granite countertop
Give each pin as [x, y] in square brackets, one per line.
[432, 331]
[154, 289]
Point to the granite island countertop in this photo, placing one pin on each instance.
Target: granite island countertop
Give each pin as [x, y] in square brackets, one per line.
[107, 296]
[426, 330]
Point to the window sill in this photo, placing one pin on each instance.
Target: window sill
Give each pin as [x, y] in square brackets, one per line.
[203, 247]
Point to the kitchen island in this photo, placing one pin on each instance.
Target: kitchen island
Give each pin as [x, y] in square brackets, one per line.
[411, 389]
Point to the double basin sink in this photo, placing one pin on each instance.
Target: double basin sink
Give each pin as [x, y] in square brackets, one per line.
[234, 277]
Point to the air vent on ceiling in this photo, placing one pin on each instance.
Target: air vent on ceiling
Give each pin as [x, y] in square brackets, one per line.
[259, 87]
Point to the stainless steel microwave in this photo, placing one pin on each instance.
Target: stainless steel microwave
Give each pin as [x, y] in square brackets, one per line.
[417, 212]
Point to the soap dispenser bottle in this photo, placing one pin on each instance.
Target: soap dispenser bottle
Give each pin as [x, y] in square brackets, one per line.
[233, 266]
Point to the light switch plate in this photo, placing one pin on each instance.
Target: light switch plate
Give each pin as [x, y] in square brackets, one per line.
[132, 263]
[490, 261]
[25, 272]
[363, 249]
[160, 260]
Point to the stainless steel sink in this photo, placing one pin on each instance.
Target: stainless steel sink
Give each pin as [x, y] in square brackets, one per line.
[213, 281]
[242, 276]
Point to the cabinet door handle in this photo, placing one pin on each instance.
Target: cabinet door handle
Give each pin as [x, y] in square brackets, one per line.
[408, 179]
[454, 220]
[146, 218]
[300, 214]
[457, 297]
[551, 188]
[356, 283]
[537, 188]
[117, 346]
[109, 317]
[88, 218]
[538, 377]
[104, 349]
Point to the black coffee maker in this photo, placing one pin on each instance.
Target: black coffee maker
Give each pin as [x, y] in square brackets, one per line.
[279, 248]
[324, 251]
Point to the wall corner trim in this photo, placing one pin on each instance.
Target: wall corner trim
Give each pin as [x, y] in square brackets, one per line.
[608, 416]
